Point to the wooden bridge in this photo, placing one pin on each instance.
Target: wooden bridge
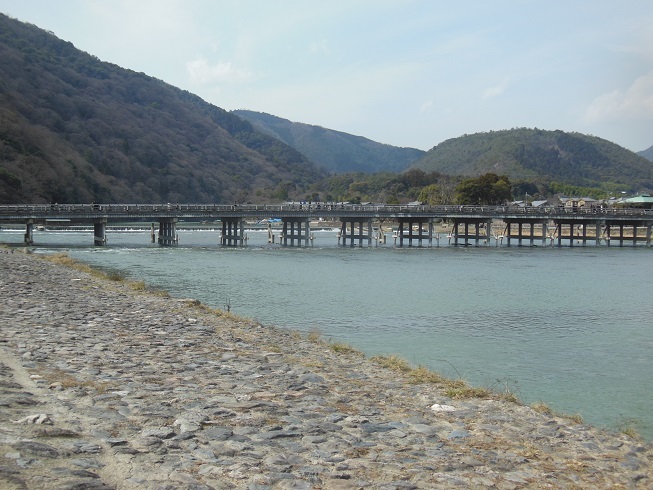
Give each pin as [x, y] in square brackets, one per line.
[469, 225]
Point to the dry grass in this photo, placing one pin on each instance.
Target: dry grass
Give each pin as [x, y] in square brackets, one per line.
[544, 409]
[65, 380]
[393, 362]
[454, 388]
[342, 348]
[115, 276]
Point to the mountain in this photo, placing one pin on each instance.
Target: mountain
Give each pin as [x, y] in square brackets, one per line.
[334, 151]
[648, 154]
[570, 159]
[76, 129]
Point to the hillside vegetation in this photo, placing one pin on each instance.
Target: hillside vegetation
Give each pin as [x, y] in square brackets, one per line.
[334, 151]
[76, 129]
[556, 158]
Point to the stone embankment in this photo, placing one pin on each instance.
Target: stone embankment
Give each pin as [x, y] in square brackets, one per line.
[103, 386]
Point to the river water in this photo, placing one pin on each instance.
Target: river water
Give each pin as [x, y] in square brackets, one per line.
[572, 327]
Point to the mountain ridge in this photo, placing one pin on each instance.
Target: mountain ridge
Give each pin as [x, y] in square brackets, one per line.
[572, 159]
[76, 129]
[332, 150]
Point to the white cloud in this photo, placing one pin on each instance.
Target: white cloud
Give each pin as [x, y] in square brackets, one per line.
[426, 106]
[495, 90]
[636, 102]
[320, 47]
[203, 73]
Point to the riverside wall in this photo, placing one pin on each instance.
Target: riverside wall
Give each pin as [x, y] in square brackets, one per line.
[106, 386]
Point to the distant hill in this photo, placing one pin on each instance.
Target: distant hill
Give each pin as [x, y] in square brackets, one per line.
[648, 154]
[76, 129]
[536, 155]
[334, 151]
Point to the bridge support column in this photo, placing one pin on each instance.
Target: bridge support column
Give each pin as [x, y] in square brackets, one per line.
[29, 232]
[623, 235]
[100, 231]
[353, 235]
[521, 235]
[233, 232]
[481, 230]
[424, 231]
[294, 231]
[168, 231]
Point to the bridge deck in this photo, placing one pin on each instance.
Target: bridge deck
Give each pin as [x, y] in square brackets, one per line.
[206, 212]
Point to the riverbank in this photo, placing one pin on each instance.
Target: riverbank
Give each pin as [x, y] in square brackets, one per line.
[105, 385]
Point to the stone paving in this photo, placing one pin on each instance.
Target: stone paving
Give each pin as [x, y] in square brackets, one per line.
[104, 386]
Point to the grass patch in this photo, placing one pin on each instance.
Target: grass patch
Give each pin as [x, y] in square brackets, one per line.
[65, 380]
[315, 336]
[343, 348]
[454, 388]
[394, 363]
[115, 276]
[543, 408]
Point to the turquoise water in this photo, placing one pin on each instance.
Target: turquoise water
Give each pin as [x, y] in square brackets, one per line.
[568, 326]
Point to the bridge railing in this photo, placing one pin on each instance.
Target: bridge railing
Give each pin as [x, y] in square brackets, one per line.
[319, 208]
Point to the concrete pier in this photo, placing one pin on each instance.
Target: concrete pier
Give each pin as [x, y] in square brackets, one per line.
[296, 229]
[481, 232]
[627, 231]
[365, 231]
[29, 232]
[100, 231]
[424, 231]
[168, 231]
[233, 232]
[522, 225]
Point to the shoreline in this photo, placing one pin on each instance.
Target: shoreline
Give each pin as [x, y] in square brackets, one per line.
[139, 390]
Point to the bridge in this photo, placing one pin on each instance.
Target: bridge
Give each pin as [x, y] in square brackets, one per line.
[468, 224]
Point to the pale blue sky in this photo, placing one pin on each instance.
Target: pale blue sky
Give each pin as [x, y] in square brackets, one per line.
[406, 73]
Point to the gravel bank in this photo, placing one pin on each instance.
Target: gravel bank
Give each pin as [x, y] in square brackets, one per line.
[102, 386]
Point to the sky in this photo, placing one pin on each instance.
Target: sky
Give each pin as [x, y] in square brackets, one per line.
[410, 73]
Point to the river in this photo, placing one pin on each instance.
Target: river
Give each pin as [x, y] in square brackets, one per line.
[572, 327]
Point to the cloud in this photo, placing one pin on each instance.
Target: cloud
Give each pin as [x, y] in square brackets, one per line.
[495, 90]
[427, 106]
[636, 102]
[320, 47]
[202, 73]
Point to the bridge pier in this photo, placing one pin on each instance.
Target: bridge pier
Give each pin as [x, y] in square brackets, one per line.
[621, 237]
[478, 224]
[233, 232]
[420, 235]
[29, 232]
[294, 231]
[352, 235]
[168, 231]
[100, 231]
[577, 231]
[531, 236]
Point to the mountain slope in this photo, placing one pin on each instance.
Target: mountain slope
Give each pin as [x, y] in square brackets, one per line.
[533, 154]
[648, 153]
[75, 129]
[334, 151]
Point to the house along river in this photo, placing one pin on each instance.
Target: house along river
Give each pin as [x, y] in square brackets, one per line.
[572, 327]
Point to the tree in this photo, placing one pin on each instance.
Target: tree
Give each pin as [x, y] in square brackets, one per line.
[487, 189]
[440, 193]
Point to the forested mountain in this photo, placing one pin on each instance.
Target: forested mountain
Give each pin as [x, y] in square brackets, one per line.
[76, 129]
[648, 154]
[564, 159]
[334, 151]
